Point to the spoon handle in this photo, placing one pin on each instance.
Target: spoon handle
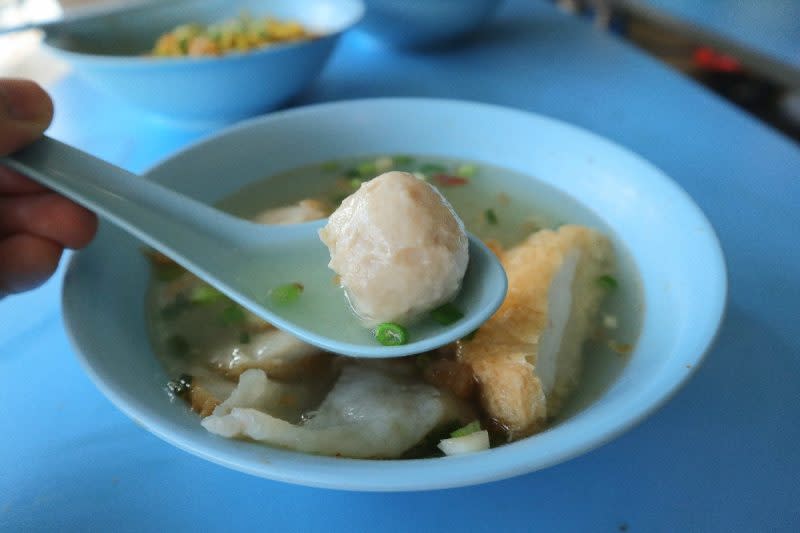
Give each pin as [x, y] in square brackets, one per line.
[167, 220]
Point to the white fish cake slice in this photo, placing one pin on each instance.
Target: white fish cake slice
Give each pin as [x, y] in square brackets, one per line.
[368, 414]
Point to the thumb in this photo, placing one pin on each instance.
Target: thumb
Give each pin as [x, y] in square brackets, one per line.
[25, 112]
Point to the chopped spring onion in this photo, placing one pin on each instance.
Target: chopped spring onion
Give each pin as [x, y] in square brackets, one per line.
[233, 314]
[469, 429]
[467, 171]
[366, 169]
[403, 160]
[446, 314]
[474, 442]
[244, 337]
[491, 217]
[432, 168]
[391, 334]
[205, 294]
[330, 166]
[355, 183]
[607, 282]
[183, 45]
[286, 294]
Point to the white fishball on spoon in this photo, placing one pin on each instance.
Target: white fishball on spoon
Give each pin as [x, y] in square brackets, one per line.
[398, 247]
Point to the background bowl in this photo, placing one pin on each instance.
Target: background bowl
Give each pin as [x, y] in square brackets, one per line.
[425, 23]
[108, 52]
[666, 236]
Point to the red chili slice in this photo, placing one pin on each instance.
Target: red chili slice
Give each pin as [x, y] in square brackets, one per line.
[447, 180]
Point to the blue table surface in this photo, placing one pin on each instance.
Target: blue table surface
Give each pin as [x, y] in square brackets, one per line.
[767, 29]
[722, 455]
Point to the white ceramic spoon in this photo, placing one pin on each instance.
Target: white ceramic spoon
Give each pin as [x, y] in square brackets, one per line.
[244, 260]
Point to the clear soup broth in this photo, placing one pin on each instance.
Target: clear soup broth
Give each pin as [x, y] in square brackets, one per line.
[496, 204]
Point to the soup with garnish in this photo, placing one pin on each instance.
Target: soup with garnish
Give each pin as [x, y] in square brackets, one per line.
[569, 321]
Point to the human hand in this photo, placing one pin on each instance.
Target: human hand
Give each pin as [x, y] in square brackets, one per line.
[36, 224]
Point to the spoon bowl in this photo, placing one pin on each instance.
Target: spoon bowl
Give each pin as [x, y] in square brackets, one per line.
[245, 260]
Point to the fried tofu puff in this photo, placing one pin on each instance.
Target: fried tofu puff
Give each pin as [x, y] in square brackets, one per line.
[527, 357]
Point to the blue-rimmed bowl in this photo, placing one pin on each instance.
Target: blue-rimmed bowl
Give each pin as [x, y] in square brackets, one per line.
[109, 51]
[425, 23]
[668, 241]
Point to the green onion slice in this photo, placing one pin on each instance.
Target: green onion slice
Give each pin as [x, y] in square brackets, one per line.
[466, 171]
[607, 282]
[286, 294]
[233, 314]
[367, 169]
[469, 429]
[391, 334]
[402, 160]
[205, 294]
[491, 216]
[446, 314]
[432, 168]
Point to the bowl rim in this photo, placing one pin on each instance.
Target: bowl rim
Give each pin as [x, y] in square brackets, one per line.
[149, 61]
[506, 461]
